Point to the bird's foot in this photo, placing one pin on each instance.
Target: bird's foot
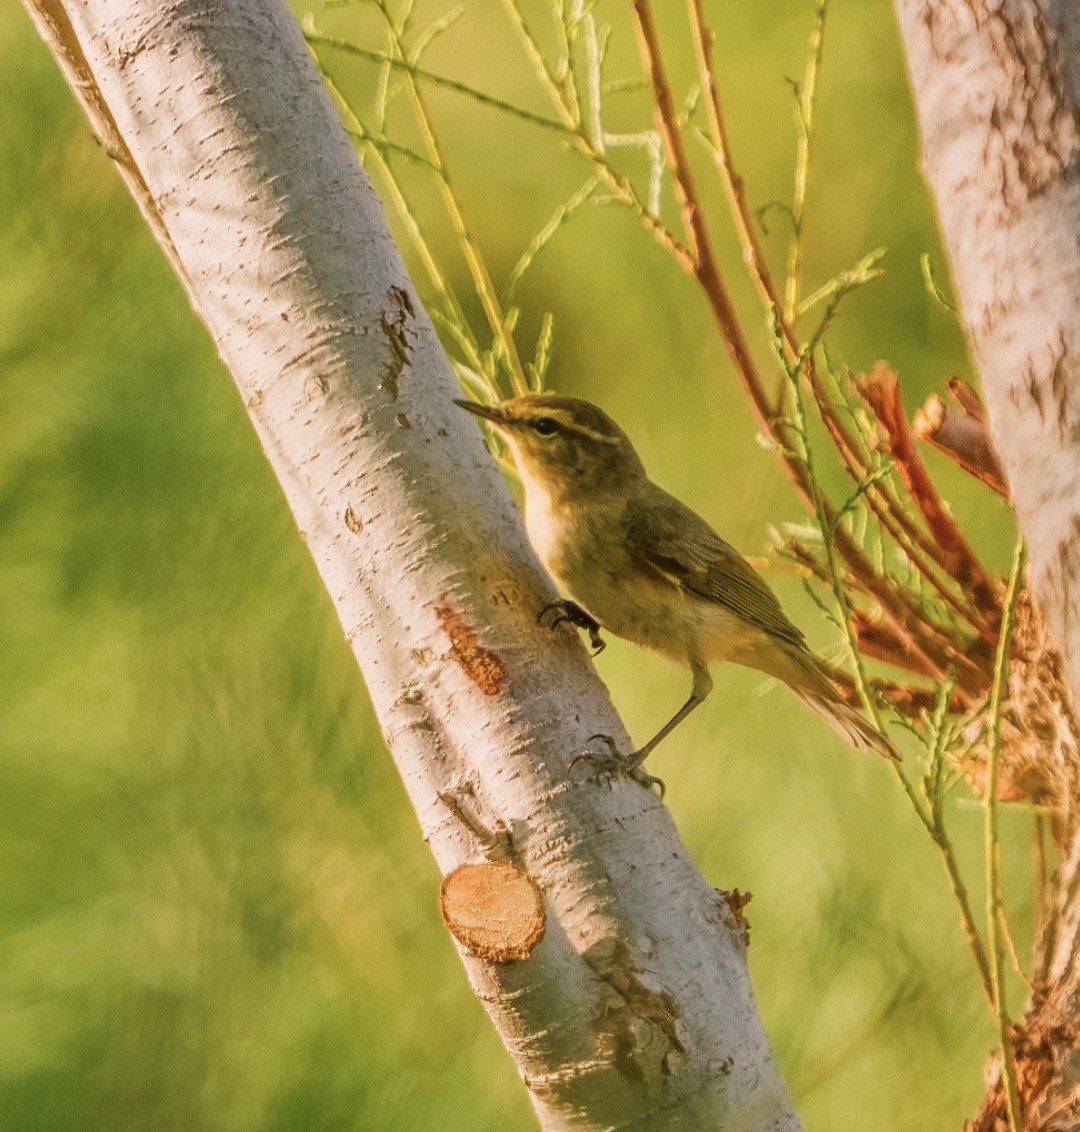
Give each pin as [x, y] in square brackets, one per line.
[610, 764]
[571, 612]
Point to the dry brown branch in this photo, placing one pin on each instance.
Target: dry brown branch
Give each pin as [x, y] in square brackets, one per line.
[966, 397]
[883, 642]
[923, 639]
[963, 437]
[882, 393]
[908, 699]
[904, 641]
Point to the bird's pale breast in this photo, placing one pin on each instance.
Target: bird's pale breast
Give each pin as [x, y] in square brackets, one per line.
[586, 552]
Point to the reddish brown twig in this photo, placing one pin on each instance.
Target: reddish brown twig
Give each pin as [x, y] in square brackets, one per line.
[908, 699]
[702, 257]
[939, 577]
[881, 391]
[882, 642]
[933, 644]
[907, 641]
[732, 182]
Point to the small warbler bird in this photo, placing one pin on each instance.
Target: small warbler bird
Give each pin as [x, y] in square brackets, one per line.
[641, 564]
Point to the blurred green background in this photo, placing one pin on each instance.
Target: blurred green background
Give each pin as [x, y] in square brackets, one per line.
[216, 911]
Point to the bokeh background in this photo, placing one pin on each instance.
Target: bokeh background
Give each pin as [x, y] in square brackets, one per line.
[216, 912]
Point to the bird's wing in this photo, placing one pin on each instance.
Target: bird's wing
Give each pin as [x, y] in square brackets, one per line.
[664, 535]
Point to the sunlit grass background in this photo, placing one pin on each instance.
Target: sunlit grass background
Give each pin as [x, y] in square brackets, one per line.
[216, 911]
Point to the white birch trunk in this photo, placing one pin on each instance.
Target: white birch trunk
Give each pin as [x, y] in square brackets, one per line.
[997, 89]
[635, 1009]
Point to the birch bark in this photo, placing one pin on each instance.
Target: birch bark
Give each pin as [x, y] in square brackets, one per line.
[997, 89]
[635, 1009]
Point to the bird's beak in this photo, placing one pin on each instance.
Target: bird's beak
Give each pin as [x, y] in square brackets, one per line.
[491, 413]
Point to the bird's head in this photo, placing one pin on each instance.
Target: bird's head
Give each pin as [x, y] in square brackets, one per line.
[562, 443]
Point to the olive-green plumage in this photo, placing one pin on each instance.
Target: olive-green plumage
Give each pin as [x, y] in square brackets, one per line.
[646, 566]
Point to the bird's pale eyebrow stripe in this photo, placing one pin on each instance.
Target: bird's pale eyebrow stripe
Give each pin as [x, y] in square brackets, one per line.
[592, 434]
[567, 422]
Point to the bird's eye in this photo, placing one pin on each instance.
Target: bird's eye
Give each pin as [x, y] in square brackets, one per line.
[545, 426]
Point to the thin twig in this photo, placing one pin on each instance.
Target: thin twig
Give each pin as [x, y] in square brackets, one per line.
[865, 271]
[318, 39]
[703, 262]
[539, 61]
[1014, 955]
[882, 502]
[933, 787]
[463, 335]
[932, 819]
[566, 75]
[828, 531]
[995, 912]
[967, 914]
[558, 218]
[594, 86]
[732, 182]
[805, 103]
[1066, 885]
[482, 282]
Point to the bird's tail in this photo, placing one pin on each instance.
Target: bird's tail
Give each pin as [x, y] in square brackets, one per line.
[805, 677]
[846, 721]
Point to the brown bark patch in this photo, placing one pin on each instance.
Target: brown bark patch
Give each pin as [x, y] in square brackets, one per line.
[494, 910]
[352, 520]
[317, 385]
[1040, 752]
[480, 664]
[1041, 1046]
[1060, 374]
[395, 328]
[737, 902]
[1034, 128]
[636, 1025]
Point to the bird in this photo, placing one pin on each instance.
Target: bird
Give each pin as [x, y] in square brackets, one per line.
[642, 565]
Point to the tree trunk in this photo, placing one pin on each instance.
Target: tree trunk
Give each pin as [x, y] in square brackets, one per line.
[997, 88]
[634, 1010]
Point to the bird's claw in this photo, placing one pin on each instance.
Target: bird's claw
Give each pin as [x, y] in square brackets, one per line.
[612, 764]
[572, 613]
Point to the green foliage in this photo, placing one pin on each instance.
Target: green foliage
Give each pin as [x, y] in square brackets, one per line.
[215, 910]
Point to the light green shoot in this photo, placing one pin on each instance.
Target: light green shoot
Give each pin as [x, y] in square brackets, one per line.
[806, 99]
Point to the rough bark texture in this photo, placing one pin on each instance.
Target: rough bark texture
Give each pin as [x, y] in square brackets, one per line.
[634, 1010]
[997, 87]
